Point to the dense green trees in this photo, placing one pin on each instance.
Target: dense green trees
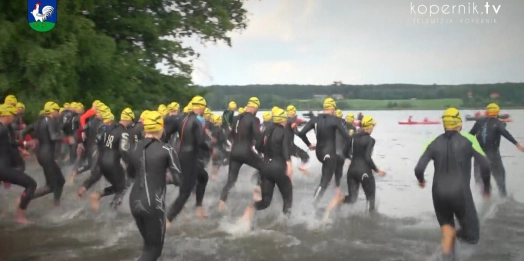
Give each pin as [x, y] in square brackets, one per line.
[511, 94]
[109, 50]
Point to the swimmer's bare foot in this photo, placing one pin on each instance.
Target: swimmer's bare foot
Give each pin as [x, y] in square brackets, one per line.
[249, 213]
[20, 217]
[221, 206]
[201, 212]
[95, 201]
[257, 194]
[71, 180]
[56, 203]
[214, 176]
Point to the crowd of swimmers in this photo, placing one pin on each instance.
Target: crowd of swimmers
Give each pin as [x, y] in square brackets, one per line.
[168, 147]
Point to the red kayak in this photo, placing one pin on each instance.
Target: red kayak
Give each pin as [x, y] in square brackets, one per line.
[419, 122]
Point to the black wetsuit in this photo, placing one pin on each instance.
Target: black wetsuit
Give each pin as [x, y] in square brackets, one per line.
[148, 165]
[48, 134]
[326, 126]
[277, 151]
[170, 123]
[341, 155]
[227, 120]
[10, 171]
[294, 123]
[110, 154]
[220, 155]
[245, 134]
[192, 147]
[451, 153]
[89, 158]
[136, 133]
[488, 132]
[360, 169]
[69, 127]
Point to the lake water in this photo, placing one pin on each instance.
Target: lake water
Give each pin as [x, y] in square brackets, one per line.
[405, 229]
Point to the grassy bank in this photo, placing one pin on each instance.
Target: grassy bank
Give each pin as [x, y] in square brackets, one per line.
[433, 104]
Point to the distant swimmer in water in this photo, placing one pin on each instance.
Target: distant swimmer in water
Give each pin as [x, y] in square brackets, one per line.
[326, 124]
[451, 153]
[360, 171]
[277, 168]
[147, 166]
[9, 172]
[488, 131]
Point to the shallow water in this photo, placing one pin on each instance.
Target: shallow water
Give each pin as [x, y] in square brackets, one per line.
[404, 229]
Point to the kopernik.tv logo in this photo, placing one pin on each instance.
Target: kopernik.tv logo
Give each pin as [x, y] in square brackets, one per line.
[472, 12]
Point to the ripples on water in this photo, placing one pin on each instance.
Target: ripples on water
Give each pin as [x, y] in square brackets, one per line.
[405, 229]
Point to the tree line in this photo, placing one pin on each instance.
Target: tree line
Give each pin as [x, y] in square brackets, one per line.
[109, 50]
[473, 95]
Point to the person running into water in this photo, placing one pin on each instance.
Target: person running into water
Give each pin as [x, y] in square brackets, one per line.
[277, 168]
[9, 172]
[341, 148]
[326, 124]
[148, 165]
[246, 135]
[294, 123]
[451, 153]
[192, 147]
[361, 168]
[488, 131]
[47, 134]
[227, 117]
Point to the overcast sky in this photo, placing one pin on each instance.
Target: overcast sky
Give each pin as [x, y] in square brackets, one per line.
[369, 42]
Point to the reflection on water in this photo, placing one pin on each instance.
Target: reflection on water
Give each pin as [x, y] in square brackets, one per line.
[405, 229]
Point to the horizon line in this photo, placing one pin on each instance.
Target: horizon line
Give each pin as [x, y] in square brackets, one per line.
[345, 84]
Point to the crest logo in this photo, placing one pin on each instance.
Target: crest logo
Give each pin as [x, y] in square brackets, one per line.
[41, 14]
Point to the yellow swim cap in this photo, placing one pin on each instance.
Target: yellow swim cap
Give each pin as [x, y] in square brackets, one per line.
[61, 110]
[143, 114]
[329, 104]
[127, 115]
[103, 109]
[66, 105]
[232, 105]
[279, 115]
[338, 113]
[350, 117]
[274, 109]
[174, 106]
[20, 105]
[153, 122]
[217, 119]
[10, 99]
[253, 102]
[207, 112]
[50, 106]
[42, 112]
[241, 110]
[267, 116]
[451, 118]
[492, 109]
[291, 110]
[79, 105]
[107, 116]
[367, 122]
[98, 105]
[7, 110]
[198, 102]
[162, 109]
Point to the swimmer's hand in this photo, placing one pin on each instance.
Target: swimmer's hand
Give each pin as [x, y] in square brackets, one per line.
[81, 191]
[312, 147]
[520, 147]
[487, 194]
[422, 184]
[168, 224]
[381, 172]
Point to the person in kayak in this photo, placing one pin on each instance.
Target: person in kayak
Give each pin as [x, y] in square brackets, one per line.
[451, 153]
[326, 125]
[148, 165]
[488, 131]
[246, 135]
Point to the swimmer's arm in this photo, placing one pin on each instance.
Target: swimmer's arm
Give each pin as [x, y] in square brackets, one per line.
[485, 171]
[54, 133]
[131, 170]
[28, 128]
[259, 141]
[171, 129]
[422, 164]
[369, 153]
[343, 130]
[199, 135]
[173, 163]
[286, 145]
[307, 128]
[475, 128]
[505, 133]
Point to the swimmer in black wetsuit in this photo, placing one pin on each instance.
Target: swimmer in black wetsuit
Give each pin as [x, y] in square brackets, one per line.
[8, 169]
[66, 124]
[147, 166]
[451, 153]
[488, 131]
[246, 134]
[221, 149]
[295, 122]
[227, 117]
[277, 168]
[326, 125]
[361, 168]
[172, 117]
[350, 120]
[47, 134]
[341, 147]
[267, 121]
[192, 147]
